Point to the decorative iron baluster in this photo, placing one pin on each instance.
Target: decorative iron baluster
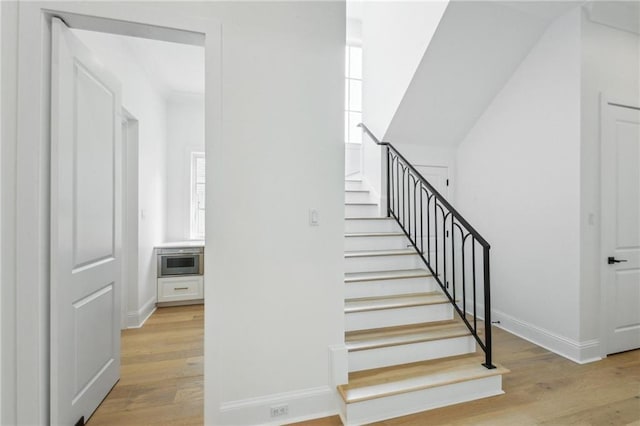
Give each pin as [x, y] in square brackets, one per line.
[401, 174]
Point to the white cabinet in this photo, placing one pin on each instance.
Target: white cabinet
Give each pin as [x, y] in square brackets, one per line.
[188, 289]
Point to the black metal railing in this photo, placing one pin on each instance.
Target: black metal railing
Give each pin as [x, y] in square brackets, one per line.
[455, 253]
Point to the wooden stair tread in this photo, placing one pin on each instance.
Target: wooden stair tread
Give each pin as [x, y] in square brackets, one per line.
[369, 253]
[374, 234]
[393, 302]
[351, 277]
[360, 204]
[401, 335]
[356, 190]
[387, 381]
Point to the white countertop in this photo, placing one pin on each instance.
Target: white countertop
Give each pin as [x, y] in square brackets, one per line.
[180, 244]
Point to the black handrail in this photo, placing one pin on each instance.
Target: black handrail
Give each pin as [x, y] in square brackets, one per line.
[401, 202]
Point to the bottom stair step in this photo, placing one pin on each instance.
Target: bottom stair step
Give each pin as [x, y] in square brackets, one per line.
[384, 393]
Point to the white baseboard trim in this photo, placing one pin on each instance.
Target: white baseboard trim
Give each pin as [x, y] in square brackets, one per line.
[136, 319]
[578, 352]
[304, 404]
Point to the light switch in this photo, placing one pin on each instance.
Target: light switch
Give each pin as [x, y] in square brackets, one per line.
[313, 217]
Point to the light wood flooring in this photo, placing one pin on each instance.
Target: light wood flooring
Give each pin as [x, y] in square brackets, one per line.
[542, 389]
[161, 379]
[162, 383]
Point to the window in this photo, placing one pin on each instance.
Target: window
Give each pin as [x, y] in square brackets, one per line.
[353, 95]
[197, 195]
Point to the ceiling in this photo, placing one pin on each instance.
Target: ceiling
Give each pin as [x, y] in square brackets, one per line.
[176, 67]
[172, 68]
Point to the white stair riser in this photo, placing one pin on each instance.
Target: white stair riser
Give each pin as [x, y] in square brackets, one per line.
[414, 352]
[361, 210]
[382, 263]
[375, 243]
[414, 402]
[365, 225]
[357, 197]
[375, 288]
[397, 316]
[353, 184]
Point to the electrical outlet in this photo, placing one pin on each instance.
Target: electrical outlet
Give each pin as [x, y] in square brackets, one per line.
[279, 410]
[314, 219]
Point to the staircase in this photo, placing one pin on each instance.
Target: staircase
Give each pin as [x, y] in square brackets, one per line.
[406, 351]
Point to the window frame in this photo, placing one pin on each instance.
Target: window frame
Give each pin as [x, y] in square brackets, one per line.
[194, 208]
[348, 78]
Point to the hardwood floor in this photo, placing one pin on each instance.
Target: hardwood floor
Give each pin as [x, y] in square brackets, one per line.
[162, 383]
[543, 389]
[162, 372]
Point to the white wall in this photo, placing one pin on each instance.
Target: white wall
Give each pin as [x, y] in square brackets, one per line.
[8, 375]
[518, 183]
[274, 285]
[610, 66]
[147, 105]
[185, 134]
[394, 38]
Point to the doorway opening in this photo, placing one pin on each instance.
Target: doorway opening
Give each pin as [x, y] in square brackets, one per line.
[134, 108]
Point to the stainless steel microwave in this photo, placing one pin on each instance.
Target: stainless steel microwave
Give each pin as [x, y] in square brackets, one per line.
[180, 261]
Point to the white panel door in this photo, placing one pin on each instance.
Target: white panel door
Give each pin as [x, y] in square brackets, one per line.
[437, 176]
[621, 226]
[85, 229]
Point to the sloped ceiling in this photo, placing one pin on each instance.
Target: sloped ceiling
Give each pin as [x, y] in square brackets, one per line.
[476, 48]
[624, 15]
[395, 36]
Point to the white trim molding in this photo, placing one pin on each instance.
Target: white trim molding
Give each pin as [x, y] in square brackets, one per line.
[579, 352]
[303, 404]
[338, 365]
[136, 319]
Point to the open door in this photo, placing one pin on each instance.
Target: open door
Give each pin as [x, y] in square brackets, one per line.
[86, 228]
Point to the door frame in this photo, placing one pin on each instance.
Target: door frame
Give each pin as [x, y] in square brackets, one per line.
[26, 331]
[607, 99]
[129, 212]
